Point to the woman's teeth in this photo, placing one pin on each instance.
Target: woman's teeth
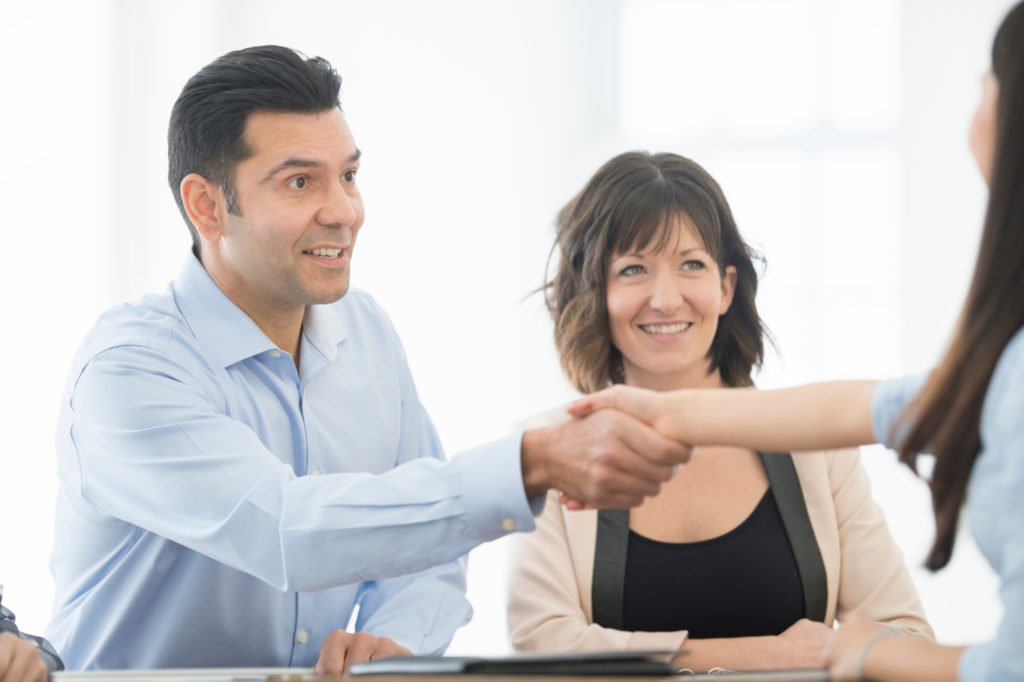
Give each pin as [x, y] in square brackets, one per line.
[326, 253]
[665, 328]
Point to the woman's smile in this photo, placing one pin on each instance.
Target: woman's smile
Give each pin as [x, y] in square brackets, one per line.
[665, 332]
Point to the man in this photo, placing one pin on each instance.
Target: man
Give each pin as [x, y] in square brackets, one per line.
[244, 459]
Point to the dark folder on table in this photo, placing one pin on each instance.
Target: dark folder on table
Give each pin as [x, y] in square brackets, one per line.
[620, 663]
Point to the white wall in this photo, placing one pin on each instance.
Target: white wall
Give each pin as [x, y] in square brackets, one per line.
[478, 121]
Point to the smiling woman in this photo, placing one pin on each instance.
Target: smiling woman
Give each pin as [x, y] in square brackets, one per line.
[753, 555]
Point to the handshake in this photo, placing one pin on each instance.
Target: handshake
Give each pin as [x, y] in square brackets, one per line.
[618, 448]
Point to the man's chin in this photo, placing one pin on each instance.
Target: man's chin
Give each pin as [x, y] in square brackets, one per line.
[327, 295]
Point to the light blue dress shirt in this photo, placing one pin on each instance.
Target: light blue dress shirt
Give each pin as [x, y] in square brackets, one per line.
[995, 502]
[218, 508]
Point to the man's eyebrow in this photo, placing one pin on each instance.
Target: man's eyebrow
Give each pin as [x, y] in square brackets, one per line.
[305, 163]
[290, 163]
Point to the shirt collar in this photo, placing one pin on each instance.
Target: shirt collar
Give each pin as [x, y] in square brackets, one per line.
[227, 333]
[323, 329]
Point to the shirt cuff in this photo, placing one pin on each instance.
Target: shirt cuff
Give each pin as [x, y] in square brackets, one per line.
[888, 401]
[492, 484]
[976, 663]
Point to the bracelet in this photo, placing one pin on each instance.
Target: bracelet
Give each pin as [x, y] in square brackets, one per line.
[863, 655]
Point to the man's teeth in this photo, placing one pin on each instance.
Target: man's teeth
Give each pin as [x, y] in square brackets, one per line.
[326, 253]
[665, 328]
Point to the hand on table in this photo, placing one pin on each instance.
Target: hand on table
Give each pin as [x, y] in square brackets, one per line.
[803, 644]
[341, 650]
[841, 657]
[19, 660]
[605, 459]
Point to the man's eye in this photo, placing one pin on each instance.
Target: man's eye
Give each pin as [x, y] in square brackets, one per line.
[298, 183]
[350, 176]
[632, 270]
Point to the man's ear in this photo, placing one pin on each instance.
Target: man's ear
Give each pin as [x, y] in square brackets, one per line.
[728, 289]
[205, 204]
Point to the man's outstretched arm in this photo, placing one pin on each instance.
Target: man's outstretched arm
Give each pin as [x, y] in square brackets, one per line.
[147, 444]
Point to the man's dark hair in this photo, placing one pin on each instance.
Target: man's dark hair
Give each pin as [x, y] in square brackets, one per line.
[206, 134]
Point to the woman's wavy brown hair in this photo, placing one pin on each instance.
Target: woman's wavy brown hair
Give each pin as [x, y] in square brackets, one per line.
[633, 202]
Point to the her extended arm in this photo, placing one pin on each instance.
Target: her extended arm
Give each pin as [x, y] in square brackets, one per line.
[856, 654]
[814, 417]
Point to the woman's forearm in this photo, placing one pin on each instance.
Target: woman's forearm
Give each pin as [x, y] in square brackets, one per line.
[738, 653]
[814, 417]
[910, 659]
[752, 653]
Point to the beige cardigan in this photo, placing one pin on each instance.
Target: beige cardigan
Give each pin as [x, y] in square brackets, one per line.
[549, 605]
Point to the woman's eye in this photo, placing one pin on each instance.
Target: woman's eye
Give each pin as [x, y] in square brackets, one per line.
[693, 265]
[632, 270]
[298, 183]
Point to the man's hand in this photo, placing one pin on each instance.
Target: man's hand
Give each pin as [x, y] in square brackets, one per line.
[19, 660]
[606, 459]
[341, 650]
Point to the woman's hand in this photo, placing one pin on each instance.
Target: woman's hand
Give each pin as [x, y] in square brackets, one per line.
[903, 658]
[649, 407]
[803, 645]
[841, 657]
[799, 647]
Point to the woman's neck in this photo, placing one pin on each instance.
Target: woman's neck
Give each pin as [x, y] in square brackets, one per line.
[693, 377]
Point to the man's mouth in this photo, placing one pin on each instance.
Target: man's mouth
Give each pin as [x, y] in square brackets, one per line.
[666, 328]
[330, 254]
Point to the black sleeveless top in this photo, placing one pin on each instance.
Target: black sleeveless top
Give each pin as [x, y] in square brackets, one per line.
[745, 583]
[757, 579]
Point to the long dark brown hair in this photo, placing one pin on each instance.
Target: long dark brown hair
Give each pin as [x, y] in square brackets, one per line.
[945, 419]
[634, 201]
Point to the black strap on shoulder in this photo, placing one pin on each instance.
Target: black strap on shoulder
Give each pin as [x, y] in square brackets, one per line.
[610, 567]
[613, 541]
[789, 497]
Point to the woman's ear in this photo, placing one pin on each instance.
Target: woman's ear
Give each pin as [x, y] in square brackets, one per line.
[203, 202]
[728, 289]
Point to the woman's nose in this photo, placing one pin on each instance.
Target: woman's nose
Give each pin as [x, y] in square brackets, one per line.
[666, 296]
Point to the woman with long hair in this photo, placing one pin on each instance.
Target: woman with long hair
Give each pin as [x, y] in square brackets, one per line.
[968, 412]
[749, 556]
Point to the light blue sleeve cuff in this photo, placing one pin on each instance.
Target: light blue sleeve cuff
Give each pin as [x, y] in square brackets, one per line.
[976, 663]
[492, 483]
[888, 401]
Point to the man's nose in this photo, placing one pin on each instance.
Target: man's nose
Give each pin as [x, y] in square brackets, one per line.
[666, 297]
[339, 209]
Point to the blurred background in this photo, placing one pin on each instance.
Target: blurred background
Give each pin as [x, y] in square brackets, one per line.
[837, 129]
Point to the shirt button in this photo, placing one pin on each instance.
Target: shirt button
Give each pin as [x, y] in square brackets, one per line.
[303, 394]
[302, 637]
[316, 472]
[276, 353]
[508, 524]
